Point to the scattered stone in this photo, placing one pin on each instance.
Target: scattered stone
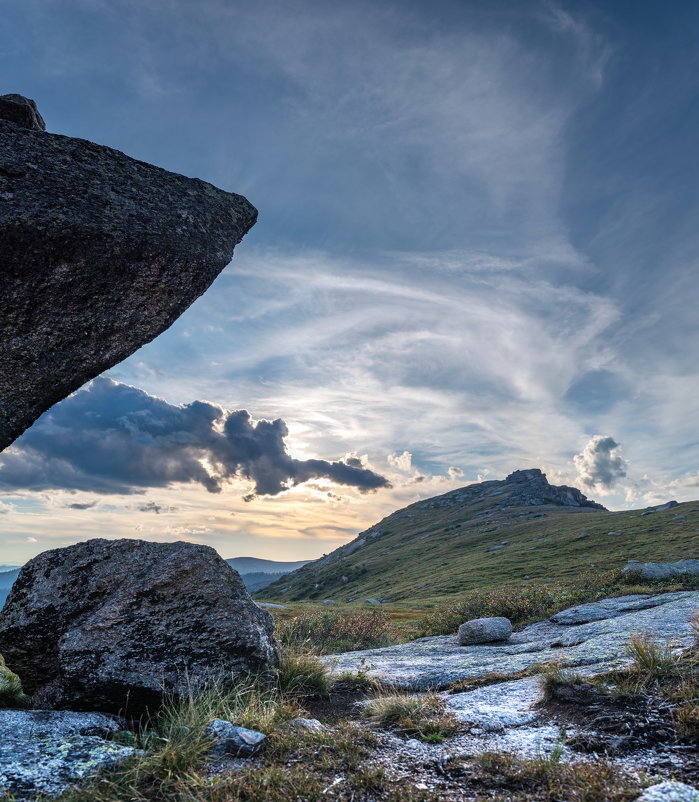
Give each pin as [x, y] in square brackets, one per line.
[484, 630]
[679, 517]
[670, 792]
[270, 606]
[582, 536]
[100, 254]
[615, 533]
[329, 601]
[373, 601]
[661, 570]
[496, 548]
[113, 624]
[306, 724]
[667, 506]
[45, 752]
[229, 739]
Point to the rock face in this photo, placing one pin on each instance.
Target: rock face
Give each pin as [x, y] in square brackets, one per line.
[100, 254]
[21, 110]
[112, 624]
[438, 662]
[661, 570]
[484, 630]
[44, 752]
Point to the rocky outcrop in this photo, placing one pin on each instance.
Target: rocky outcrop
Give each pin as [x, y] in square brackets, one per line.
[111, 625]
[438, 662]
[45, 752]
[21, 110]
[100, 254]
[651, 571]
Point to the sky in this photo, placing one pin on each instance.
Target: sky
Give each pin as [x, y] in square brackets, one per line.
[476, 252]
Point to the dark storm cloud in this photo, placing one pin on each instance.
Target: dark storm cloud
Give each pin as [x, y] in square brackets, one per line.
[113, 438]
[599, 464]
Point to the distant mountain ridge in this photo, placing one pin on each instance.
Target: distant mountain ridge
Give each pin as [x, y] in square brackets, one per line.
[484, 534]
[255, 565]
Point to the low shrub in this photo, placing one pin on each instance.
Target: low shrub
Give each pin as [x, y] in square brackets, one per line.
[337, 631]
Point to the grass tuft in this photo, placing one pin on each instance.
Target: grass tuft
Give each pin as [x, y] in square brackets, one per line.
[555, 677]
[651, 659]
[11, 693]
[303, 675]
[423, 716]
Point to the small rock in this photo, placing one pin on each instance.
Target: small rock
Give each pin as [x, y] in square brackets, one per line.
[306, 724]
[485, 630]
[230, 739]
[615, 533]
[670, 791]
[373, 601]
[413, 743]
[329, 601]
[582, 536]
[496, 548]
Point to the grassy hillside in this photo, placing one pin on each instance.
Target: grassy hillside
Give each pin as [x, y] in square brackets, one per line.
[434, 549]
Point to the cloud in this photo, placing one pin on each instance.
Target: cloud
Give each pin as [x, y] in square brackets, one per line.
[78, 505]
[599, 464]
[114, 438]
[151, 506]
[401, 462]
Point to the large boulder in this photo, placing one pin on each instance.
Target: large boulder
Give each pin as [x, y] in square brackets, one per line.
[485, 630]
[100, 254]
[112, 625]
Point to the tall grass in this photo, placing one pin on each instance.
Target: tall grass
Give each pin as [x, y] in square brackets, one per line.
[337, 631]
[172, 754]
[11, 693]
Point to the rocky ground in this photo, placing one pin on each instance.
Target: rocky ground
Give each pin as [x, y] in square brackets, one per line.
[504, 730]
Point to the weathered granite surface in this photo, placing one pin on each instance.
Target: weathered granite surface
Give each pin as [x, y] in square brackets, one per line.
[670, 791]
[661, 570]
[100, 254]
[113, 624]
[45, 751]
[438, 662]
